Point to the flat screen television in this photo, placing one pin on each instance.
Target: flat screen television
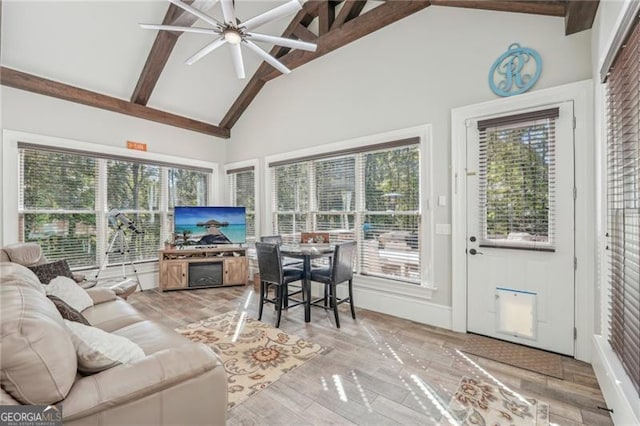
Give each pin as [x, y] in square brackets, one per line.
[209, 225]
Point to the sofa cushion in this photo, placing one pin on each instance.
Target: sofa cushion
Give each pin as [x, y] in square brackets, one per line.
[69, 291]
[48, 271]
[37, 358]
[98, 350]
[110, 316]
[152, 337]
[26, 254]
[20, 275]
[66, 311]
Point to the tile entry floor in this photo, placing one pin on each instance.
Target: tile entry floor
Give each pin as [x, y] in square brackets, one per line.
[376, 370]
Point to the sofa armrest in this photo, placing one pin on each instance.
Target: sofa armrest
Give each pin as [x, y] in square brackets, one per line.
[101, 294]
[128, 382]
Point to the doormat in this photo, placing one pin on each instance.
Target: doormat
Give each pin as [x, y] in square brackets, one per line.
[520, 356]
[254, 354]
[480, 403]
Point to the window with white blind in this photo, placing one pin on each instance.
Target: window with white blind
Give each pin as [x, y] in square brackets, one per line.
[517, 180]
[623, 180]
[65, 197]
[242, 192]
[370, 194]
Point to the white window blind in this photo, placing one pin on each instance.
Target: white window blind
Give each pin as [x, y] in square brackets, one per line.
[391, 217]
[65, 197]
[370, 194]
[135, 190]
[334, 186]
[187, 187]
[623, 176]
[517, 180]
[242, 190]
[291, 193]
[57, 204]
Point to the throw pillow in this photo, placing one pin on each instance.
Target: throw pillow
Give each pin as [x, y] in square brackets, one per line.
[48, 271]
[67, 312]
[69, 291]
[98, 350]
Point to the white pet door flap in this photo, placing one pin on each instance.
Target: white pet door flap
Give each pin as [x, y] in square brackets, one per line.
[516, 313]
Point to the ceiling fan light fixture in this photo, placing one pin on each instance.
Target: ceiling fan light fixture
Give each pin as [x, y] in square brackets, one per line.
[236, 32]
[232, 36]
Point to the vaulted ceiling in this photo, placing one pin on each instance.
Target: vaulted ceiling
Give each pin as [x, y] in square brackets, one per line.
[94, 53]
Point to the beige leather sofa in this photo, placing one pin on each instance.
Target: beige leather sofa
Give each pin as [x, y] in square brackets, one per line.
[30, 254]
[177, 383]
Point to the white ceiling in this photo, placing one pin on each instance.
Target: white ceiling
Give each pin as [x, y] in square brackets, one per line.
[98, 45]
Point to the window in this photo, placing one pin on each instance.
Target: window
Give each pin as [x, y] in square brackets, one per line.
[65, 197]
[242, 192]
[517, 180]
[370, 194]
[623, 179]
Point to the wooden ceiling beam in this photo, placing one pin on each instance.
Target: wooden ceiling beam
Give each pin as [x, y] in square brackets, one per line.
[253, 87]
[358, 27]
[548, 8]
[326, 16]
[580, 16]
[350, 9]
[379, 17]
[303, 33]
[161, 50]
[31, 83]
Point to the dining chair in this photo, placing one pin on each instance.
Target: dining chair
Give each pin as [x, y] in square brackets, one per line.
[272, 273]
[339, 271]
[286, 261]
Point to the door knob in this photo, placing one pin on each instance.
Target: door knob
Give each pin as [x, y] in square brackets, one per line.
[474, 252]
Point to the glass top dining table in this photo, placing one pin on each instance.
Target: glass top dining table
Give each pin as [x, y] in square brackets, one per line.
[306, 252]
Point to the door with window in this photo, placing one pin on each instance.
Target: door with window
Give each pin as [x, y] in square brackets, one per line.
[520, 228]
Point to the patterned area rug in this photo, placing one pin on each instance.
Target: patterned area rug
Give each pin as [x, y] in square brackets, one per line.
[542, 362]
[479, 403]
[254, 354]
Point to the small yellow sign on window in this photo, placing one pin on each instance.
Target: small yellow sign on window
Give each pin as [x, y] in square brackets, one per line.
[139, 146]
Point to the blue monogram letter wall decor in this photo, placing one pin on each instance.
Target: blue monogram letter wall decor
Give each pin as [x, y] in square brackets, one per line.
[515, 71]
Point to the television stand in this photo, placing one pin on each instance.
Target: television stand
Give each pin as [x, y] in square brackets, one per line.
[191, 268]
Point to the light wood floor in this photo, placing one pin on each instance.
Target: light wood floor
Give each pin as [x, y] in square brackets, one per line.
[378, 361]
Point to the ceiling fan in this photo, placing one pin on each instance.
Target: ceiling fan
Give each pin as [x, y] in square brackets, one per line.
[237, 33]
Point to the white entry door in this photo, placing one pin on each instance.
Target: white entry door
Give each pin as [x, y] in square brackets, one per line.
[520, 228]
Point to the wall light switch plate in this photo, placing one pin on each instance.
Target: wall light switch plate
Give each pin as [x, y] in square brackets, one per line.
[442, 200]
[443, 228]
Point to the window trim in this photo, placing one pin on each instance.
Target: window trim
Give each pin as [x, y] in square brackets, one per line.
[10, 169]
[423, 136]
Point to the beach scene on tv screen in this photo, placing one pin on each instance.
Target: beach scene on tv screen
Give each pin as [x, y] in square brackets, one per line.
[210, 225]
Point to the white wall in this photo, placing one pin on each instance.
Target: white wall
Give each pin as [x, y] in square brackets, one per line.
[410, 73]
[614, 382]
[41, 115]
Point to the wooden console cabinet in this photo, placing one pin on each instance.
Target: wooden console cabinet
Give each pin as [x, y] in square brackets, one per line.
[227, 266]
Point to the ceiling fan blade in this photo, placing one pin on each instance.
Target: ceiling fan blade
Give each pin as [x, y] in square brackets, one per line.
[268, 58]
[228, 12]
[270, 15]
[236, 56]
[179, 28]
[286, 42]
[205, 51]
[206, 18]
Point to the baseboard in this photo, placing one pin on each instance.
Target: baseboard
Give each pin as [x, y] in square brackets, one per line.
[618, 392]
[403, 306]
